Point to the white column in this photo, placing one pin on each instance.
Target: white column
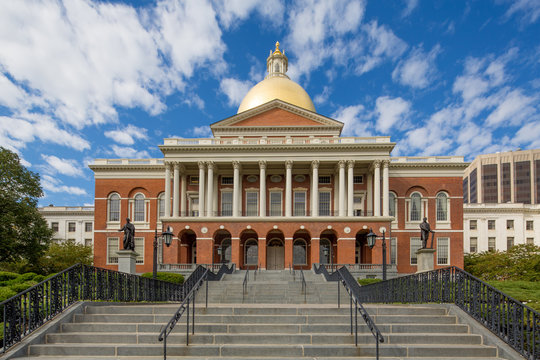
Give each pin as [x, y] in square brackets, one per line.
[262, 188]
[210, 189]
[201, 189]
[176, 184]
[236, 188]
[288, 188]
[315, 188]
[350, 188]
[370, 193]
[342, 206]
[167, 190]
[183, 193]
[385, 189]
[377, 192]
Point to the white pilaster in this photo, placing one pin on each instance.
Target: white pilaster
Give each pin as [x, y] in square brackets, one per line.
[236, 188]
[183, 194]
[167, 198]
[377, 190]
[176, 186]
[315, 188]
[202, 198]
[385, 189]
[210, 189]
[342, 207]
[262, 188]
[288, 188]
[350, 188]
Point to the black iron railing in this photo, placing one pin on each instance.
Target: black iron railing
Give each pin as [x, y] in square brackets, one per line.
[515, 323]
[304, 285]
[344, 277]
[245, 284]
[28, 310]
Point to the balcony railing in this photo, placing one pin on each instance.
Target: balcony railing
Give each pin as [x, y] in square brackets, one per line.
[280, 141]
[245, 213]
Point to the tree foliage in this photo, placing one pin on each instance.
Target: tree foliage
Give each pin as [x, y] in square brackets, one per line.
[24, 234]
[521, 262]
[60, 256]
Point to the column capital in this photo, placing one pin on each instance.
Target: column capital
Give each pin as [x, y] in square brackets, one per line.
[385, 163]
[176, 165]
[315, 164]
[236, 164]
[376, 164]
[341, 164]
[182, 168]
[211, 165]
[288, 164]
[350, 164]
[262, 164]
[202, 165]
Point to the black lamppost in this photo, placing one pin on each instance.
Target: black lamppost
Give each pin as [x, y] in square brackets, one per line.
[167, 238]
[371, 238]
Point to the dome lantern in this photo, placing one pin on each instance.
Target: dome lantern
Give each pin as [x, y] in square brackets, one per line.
[277, 63]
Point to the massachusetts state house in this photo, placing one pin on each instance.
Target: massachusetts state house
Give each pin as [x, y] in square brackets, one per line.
[277, 186]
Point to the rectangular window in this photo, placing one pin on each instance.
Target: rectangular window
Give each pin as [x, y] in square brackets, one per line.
[442, 251]
[358, 179]
[506, 188]
[112, 248]
[54, 226]
[509, 224]
[473, 247]
[522, 181]
[226, 203]
[71, 227]
[416, 243]
[489, 183]
[275, 203]
[324, 179]
[357, 205]
[88, 227]
[491, 224]
[252, 203]
[393, 251]
[473, 181]
[509, 242]
[193, 180]
[324, 203]
[227, 180]
[139, 249]
[299, 203]
[530, 241]
[491, 243]
[88, 242]
[530, 225]
[194, 206]
[466, 190]
[472, 225]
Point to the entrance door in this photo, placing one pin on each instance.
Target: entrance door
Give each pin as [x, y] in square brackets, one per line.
[275, 255]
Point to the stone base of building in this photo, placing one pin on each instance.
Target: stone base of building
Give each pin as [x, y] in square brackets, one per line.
[127, 260]
[426, 260]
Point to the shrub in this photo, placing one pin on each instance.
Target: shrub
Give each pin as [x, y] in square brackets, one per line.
[26, 277]
[368, 281]
[6, 293]
[22, 286]
[39, 278]
[7, 275]
[168, 277]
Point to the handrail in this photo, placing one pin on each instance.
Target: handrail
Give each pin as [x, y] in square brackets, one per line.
[244, 284]
[513, 322]
[224, 269]
[304, 285]
[30, 309]
[195, 281]
[351, 285]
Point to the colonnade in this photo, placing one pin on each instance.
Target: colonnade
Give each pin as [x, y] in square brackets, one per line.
[345, 189]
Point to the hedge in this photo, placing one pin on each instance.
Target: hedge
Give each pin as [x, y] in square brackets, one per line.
[168, 277]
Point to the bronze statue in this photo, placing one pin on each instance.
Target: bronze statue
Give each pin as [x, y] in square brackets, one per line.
[129, 235]
[425, 230]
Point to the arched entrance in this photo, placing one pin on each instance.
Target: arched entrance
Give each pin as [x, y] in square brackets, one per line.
[222, 247]
[363, 252]
[327, 247]
[250, 242]
[275, 250]
[301, 250]
[187, 251]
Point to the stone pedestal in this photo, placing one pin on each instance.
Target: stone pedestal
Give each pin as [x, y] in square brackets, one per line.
[126, 261]
[425, 260]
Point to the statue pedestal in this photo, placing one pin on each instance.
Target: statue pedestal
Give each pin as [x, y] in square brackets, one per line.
[426, 260]
[126, 261]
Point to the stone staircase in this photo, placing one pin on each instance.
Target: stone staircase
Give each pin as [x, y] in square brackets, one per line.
[263, 328]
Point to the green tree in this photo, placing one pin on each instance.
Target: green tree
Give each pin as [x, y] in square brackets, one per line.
[24, 234]
[62, 255]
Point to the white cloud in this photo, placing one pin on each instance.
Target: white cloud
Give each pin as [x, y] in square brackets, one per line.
[235, 90]
[322, 97]
[194, 100]
[355, 120]
[528, 9]
[390, 111]
[410, 5]
[232, 11]
[52, 184]
[128, 152]
[127, 135]
[62, 166]
[513, 108]
[528, 135]
[418, 69]
[202, 131]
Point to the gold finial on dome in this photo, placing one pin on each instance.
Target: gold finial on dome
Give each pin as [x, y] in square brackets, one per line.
[277, 51]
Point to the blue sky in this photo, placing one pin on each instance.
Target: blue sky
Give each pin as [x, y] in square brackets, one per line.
[84, 79]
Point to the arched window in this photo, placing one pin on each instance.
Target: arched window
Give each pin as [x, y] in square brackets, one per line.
[226, 250]
[442, 207]
[392, 204]
[138, 208]
[251, 251]
[161, 205]
[114, 207]
[416, 207]
[325, 251]
[299, 252]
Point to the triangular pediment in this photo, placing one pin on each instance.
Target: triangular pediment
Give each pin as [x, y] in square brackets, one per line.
[277, 116]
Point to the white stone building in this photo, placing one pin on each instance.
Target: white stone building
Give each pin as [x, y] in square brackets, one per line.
[71, 222]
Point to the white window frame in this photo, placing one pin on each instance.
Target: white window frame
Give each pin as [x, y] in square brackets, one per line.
[109, 255]
[325, 183]
[415, 243]
[358, 206]
[442, 224]
[256, 243]
[443, 241]
[280, 202]
[329, 192]
[114, 222]
[86, 226]
[394, 198]
[139, 249]
[298, 208]
[510, 222]
[226, 192]
[160, 206]
[531, 222]
[256, 193]
[69, 226]
[413, 224]
[145, 223]
[194, 180]
[393, 251]
[494, 243]
[471, 222]
[470, 244]
[355, 177]
[191, 197]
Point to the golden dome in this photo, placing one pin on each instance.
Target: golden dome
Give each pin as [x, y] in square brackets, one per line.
[281, 88]
[276, 85]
